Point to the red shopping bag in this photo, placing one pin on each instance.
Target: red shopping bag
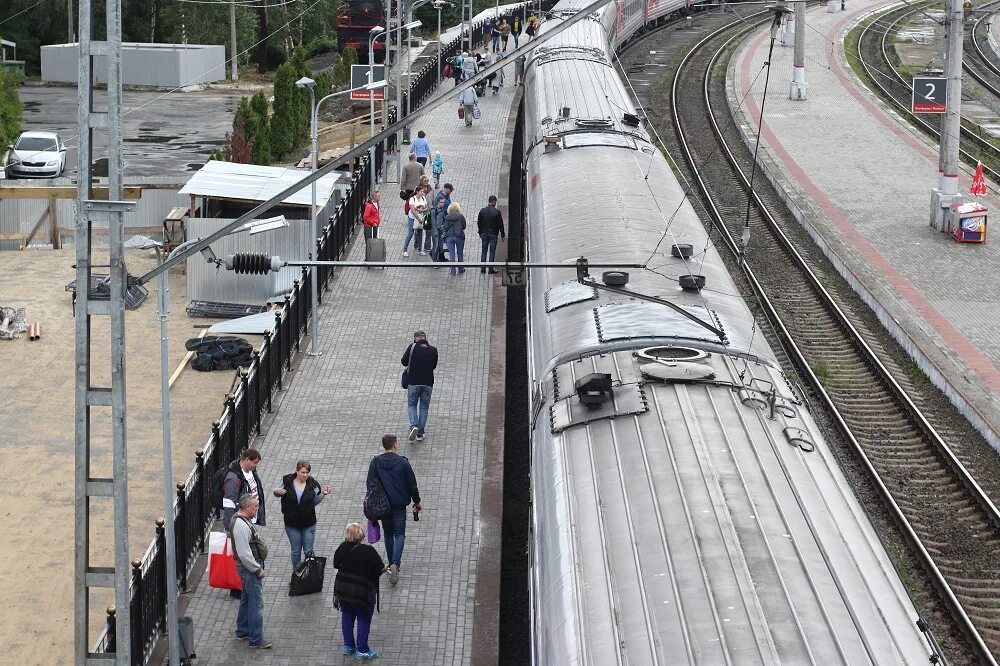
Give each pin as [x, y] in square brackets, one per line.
[222, 565]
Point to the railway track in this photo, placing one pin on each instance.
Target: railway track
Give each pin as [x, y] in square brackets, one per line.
[902, 434]
[978, 58]
[879, 62]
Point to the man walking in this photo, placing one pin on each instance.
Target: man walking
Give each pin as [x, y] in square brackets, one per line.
[490, 225]
[251, 552]
[412, 171]
[393, 471]
[420, 359]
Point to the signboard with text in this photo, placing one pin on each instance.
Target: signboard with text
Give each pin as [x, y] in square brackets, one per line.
[360, 78]
[929, 94]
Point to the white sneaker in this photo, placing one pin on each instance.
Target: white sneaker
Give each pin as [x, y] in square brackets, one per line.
[405, 253]
[393, 574]
[413, 433]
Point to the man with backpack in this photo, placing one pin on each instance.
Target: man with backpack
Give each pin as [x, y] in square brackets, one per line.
[395, 476]
[236, 480]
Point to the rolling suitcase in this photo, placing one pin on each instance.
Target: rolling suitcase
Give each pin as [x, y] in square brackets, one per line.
[375, 248]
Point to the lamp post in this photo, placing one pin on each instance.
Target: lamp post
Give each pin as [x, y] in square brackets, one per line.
[399, 69]
[415, 24]
[306, 82]
[439, 5]
[375, 32]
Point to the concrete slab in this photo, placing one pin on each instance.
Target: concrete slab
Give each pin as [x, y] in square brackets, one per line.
[862, 188]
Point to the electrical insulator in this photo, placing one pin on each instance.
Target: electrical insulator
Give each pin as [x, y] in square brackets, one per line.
[253, 263]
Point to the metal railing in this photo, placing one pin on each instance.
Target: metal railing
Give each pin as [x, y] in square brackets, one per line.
[250, 398]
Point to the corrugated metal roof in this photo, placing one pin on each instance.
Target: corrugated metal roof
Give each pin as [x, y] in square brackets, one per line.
[249, 182]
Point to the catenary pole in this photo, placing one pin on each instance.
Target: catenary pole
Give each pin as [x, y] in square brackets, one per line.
[557, 28]
[946, 193]
[235, 71]
[797, 89]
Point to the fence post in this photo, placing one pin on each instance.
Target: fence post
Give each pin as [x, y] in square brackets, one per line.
[135, 611]
[276, 347]
[202, 483]
[293, 324]
[231, 450]
[181, 537]
[161, 580]
[321, 274]
[244, 375]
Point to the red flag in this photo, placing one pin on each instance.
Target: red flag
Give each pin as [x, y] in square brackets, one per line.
[978, 181]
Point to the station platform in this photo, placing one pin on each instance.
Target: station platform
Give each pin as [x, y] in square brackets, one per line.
[338, 406]
[859, 179]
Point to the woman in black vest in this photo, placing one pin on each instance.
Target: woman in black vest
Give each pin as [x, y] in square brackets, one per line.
[300, 493]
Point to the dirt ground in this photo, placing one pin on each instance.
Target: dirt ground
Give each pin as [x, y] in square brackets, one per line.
[37, 444]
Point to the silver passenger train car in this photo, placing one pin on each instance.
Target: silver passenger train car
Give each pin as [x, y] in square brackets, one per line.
[688, 511]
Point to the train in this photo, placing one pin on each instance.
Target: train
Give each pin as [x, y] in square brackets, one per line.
[685, 506]
[355, 19]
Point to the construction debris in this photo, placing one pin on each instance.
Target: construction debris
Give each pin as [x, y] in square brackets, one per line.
[13, 322]
[219, 352]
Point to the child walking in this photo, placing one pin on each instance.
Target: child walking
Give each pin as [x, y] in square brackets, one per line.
[437, 168]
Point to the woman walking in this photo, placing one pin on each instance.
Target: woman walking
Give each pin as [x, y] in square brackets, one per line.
[355, 590]
[300, 495]
[454, 236]
[515, 30]
[415, 221]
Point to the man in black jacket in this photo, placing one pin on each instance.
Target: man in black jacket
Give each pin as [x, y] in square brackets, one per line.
[393, 471]
[420, 359]
[490, 225]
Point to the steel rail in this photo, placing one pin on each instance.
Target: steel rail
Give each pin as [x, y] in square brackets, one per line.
[907, 530]
[983, 58]
[875, 74]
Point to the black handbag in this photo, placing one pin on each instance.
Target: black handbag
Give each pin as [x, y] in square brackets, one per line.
[308, 576]
[405, 380]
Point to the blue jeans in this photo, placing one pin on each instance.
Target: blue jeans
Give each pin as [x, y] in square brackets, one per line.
[249, 621]
[363, 614]
[418, 403]
[301, 539]
[394, 534]
[489, 252]
[456, 252]
[410, 232]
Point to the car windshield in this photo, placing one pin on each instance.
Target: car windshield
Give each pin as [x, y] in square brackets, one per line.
[35, 143]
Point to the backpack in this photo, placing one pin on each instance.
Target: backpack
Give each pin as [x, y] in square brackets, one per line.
[218, 481]
[448, 71]
[376, 505]
[406, 207]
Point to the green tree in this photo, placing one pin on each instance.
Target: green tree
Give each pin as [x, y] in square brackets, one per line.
[258, 121]
[11, 109]
[324, 86]
[285, 120]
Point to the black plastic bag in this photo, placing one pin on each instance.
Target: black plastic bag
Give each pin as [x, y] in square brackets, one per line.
[308, 576]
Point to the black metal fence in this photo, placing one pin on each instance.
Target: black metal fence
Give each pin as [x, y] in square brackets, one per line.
[250, 398]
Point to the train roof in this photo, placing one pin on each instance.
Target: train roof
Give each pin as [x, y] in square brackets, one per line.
[703, 529]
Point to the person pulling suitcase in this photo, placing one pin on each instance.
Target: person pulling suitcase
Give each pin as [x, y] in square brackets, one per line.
[372, 219]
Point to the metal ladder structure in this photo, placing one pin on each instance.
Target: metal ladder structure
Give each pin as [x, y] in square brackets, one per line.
[106, 569]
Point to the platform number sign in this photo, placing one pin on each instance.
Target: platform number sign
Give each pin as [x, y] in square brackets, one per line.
[929, 94]
[513, 276]
[361, 76]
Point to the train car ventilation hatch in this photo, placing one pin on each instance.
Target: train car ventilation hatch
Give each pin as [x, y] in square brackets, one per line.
[677, 371]
[629, 321]
[800, 438]
[568, 293]
[623, 400]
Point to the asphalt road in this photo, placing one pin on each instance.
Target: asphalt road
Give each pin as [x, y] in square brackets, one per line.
[166, 134]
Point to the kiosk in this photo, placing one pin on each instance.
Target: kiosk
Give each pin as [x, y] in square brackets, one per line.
[966, 222]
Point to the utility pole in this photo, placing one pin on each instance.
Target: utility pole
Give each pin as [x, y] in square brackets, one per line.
[399, 88]
[100, 564]
[70, 38]
[235, 71]
[946, 193]
[797, 89]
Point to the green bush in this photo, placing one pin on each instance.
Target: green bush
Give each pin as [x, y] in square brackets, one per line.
[285, 120]
[320, 45]
[259, 128]
[11, 109]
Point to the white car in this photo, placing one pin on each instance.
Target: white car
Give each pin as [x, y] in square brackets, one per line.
[36, 155]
